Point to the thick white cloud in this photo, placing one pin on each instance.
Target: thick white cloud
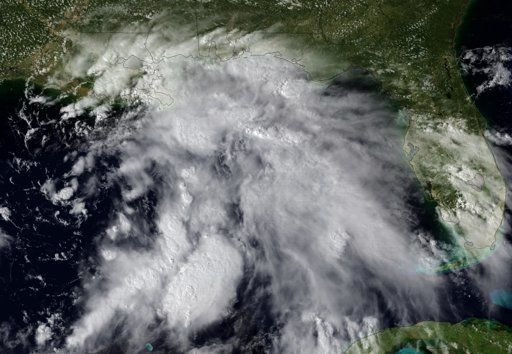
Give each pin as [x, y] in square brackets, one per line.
[259, 172]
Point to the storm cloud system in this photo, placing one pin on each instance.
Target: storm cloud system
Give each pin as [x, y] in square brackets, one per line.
[276, 200]
[249, 208]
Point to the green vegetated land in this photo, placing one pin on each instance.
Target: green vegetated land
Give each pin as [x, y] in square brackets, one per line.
[407, 45]
[470, 336]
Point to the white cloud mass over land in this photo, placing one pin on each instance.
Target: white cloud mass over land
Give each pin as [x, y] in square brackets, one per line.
[271, 188]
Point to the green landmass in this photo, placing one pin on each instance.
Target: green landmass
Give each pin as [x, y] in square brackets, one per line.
[470, 336]
[407, 45]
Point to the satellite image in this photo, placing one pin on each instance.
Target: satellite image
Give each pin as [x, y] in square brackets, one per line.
[255, 176]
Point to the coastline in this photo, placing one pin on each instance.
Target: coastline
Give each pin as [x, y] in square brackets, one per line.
[461, 36]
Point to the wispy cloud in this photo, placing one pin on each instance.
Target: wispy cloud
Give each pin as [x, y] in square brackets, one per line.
[5, 239]
[258, 173]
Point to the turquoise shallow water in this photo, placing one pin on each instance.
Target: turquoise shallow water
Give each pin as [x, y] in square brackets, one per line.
[408, 351]
[502, 297]
[149, 347]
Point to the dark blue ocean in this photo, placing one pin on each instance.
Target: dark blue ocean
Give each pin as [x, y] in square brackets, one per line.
[51, 251]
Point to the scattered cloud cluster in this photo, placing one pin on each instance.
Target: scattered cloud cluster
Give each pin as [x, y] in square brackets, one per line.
[259, 174]
[491, 62]
[253, 208]
[498, 137]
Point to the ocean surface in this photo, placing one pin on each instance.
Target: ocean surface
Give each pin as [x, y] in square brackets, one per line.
[488, 24]
[484, 48]
[51, 250]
